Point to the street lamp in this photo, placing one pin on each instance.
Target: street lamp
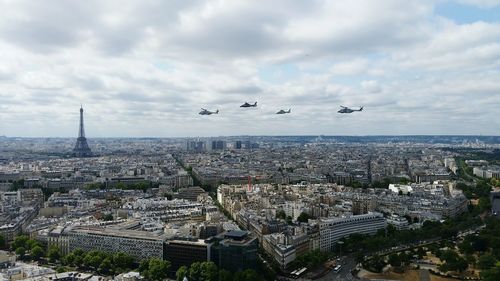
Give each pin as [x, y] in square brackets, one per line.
[340, 248]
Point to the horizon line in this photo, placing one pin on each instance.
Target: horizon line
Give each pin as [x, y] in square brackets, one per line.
[264, 135]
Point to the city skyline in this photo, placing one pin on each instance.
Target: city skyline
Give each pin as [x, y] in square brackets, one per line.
[146, 69]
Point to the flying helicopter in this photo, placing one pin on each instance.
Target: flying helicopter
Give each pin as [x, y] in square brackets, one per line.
[208, 112]
[246, 104]
[345, 109]
[284, 111]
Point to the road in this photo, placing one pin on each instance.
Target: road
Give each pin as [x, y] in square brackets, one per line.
[348, 264]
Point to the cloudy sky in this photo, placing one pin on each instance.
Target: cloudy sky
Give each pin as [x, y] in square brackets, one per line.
[144, 68]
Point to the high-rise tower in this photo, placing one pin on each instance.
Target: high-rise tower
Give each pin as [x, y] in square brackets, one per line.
[82, 148]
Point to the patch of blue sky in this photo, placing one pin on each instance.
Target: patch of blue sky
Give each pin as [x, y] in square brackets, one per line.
[165, 66]
[463, 14]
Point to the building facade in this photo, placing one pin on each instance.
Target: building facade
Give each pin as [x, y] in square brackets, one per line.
[332, 230]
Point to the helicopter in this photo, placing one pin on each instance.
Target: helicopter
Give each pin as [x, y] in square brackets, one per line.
[208, 112]
[246, 104]
[345, 109]
[284, 111]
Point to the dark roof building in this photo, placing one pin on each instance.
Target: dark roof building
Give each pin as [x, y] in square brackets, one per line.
[235, 250]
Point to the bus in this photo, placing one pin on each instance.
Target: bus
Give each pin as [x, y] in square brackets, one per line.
[296, 273]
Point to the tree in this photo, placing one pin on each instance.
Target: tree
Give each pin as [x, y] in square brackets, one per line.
[61, 269]
[304, 217]
[106, 266]
[225, 275]
[421, 252]
[195, 271]
[208, 271]
[123, 262]
[394, 260]
[246, 275]
[120, 185]
[486, 261]
[108, 217]
[484, 204]
[155, 269]
[32, 243]
[159, 268]
[480, 244]
[21, 252]
[181, 273]
[466, 247]
[20, 241]
[69, 259]
[491, 274]
[390, 230]
[281, 214]
[78, 261]
[376, 264]
[452, 262]
[471, 260]
[3, 243]
[37, 252]
[53, 253]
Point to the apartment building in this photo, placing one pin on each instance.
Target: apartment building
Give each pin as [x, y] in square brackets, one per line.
[332, 230]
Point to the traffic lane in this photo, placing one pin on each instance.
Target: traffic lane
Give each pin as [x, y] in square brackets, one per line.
[348, 264]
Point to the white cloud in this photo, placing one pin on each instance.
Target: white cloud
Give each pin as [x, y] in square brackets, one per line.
[371, 86]
[146, 67]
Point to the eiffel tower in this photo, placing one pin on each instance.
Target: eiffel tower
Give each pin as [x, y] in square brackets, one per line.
[82, 148]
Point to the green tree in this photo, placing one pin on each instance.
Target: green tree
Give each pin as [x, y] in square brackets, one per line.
[3, 243]
[155, 269]
[225, 275]
[61, 269]
[21, 252]
[108, 217]
[466, 247]
[69, 259]
[421, 253]
[452, 262]
[208, 271]
[106, 266]
[20, 241]
[484, 204]
[281, 214]
[195, 271]
[471, 260]
[93, 259]
[123, 261]
[492, 274]
[304, 217]
[53, 254]
[486, 261]
[181, 273]
[247, 275]
[394, 260]
[37, 253]
[376, 264]
[480, 244]
[32, 243]
[78, 260]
